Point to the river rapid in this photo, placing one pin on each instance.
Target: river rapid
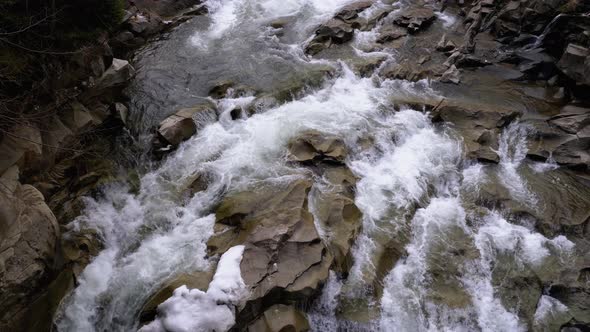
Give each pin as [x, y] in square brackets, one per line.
[416, 189]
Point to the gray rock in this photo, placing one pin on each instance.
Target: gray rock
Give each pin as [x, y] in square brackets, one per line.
[573, 63]
[118, 73]
[452, 75]
[389, 33]
[121, 112]
[415, 18]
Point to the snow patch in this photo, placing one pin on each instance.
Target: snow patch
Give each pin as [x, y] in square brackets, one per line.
[192, 310]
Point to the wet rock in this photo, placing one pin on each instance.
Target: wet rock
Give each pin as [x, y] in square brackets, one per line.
[366, 66]
[280, 318]
[471, 61]
[375, 17]
[481, 144]
[574, 153]
[415, 19]
[339, 29]
[351, 11]
[572, 123]
[407, 70]
[284, 260]
[334, 31]
[534, 63]
[471, 116]
[573, 63]
[220, 89]
[183, 124]
[577, 299]
[199, 184]
[313, 145]
[338, 216]
[389, 33]
[484, 154]
[80, 248]
[479, 128]
[564, 137]
[29, 237]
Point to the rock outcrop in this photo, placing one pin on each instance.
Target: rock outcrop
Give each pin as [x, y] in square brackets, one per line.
[480, 128]
[284, 260]
[415, 18]
[315, 146]
[340, 29]
[183, 124]
[29, 241]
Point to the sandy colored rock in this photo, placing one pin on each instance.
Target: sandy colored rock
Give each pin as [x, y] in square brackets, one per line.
[183, 124]
[280, 318]
[313, 145]
[29, 237]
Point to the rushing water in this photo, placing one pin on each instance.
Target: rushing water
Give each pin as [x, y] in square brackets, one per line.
[414, 187]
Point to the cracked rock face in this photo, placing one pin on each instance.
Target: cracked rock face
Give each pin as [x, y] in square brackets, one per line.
[415, 19]
[28, 240]
[284, 256]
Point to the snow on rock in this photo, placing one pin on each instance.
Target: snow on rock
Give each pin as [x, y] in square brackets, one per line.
[192, 310]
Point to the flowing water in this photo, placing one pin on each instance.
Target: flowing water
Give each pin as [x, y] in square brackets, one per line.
[415, 189]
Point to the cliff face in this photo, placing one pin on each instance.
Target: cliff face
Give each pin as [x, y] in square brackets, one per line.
[61, 106]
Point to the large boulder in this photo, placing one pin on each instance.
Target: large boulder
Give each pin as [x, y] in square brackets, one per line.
[29, 237]
[337, 214]
[335, 31]
[78, 118]
[313, 145]
[117, 74]
[415, 18]
[478, 126]
[564, 137]
[183, 124]
[284, 260]
[577, 300]
[572, 120]
[573, 63]
[340, 29]
[470, 116]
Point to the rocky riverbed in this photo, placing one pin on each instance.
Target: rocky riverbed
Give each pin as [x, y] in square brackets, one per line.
[302, 165]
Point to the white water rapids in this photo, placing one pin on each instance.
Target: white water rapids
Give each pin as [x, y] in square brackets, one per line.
[415, 185]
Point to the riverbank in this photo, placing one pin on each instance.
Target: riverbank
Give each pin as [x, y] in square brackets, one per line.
[375, 164]
[56, 146]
